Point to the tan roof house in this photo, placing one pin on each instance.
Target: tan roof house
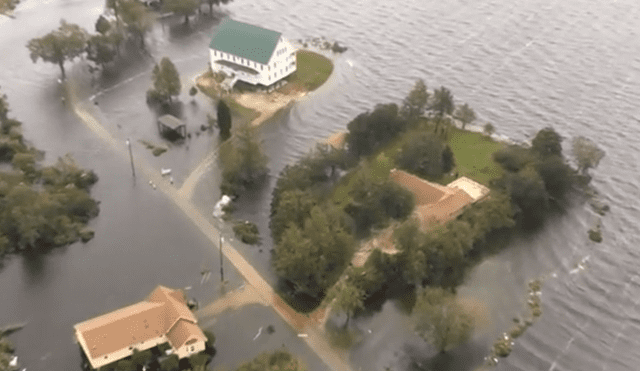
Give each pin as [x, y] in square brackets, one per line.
[436, 203]
[162, 317]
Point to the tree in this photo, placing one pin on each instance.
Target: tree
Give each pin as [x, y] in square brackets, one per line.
[424, 155]
[166, 81]
[170, 363]
[101, 49]
[441, 320]
[513, 158]
[7, 6]
[313, 257]
[294, 206]
[489, 129]
[278, 360]
[414, 104]
[59, 46]
[224, 120]
[244, 163]
[137, 17]
[348, 299]
[442, 101]
[370, 130]
[557, 175]
[528, 193]
[465, 114]
[547, 143]
[181, 7]
[103, 25]
[586, 153]
[198, 361]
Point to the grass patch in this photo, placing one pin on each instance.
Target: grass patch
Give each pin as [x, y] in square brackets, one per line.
[473, 153]
[312, 70]
[157, 150]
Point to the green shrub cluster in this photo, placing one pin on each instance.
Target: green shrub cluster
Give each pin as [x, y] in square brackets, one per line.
[40, 207]
[535, 175]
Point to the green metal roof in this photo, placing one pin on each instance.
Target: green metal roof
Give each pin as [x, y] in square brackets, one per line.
[244, 40]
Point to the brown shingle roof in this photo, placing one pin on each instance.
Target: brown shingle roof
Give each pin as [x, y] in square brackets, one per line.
[162, 311]
[123, 327]
[434, 203]
[182, 331]
[424, 191]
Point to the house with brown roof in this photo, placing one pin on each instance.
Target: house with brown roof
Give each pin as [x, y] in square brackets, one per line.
[163, 317]
[436, 203]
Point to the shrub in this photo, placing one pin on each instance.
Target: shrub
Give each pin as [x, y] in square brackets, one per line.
[247, 232]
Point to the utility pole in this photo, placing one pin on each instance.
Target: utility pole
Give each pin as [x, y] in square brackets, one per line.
[133, 170]
[221, 271]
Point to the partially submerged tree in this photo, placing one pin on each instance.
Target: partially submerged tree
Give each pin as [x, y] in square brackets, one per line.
[547, 142]
[166, 82]
[59, 46]
[441, 320]
[465, 114]
[489, 129]
[348, 299]
[181, 7]
[587, 154]
[137, 18]
[244, 163]
[278, 360]
[7, 6]
[224, 120]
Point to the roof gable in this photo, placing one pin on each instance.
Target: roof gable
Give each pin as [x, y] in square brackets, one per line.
[244, 40]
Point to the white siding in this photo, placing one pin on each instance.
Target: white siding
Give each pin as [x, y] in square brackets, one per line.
[281, 64]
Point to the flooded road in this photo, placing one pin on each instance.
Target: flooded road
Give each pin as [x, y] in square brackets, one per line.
[568, 64]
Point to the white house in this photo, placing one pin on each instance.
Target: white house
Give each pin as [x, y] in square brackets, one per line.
[163, 317]
[250, 53]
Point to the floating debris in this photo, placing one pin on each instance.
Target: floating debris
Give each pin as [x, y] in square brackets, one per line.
[164, 171]
[258, 334]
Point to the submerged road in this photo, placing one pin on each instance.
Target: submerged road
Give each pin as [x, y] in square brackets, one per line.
[315, 338]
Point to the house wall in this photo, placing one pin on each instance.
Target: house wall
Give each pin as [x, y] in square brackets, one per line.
[187, 350]
[281, 65]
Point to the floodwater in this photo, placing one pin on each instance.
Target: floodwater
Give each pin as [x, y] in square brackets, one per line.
[571, 64]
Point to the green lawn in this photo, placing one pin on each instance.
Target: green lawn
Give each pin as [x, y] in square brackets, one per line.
[312, 70]
[473, 152]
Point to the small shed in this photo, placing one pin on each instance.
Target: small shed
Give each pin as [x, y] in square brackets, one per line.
[171, 126]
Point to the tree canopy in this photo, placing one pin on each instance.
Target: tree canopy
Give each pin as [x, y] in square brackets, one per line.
[244, 163]
[181, 7]
[312, 258]
[59, 46]
[442, 101]
[586, 153]
[136, 16]
[166, 81]
[278, 360]
[465, 114]
[7, 6]
[370, 130]
[426, 155]
[441, 320]
[414, 104]
[349, 297]
[547, 142]
[224, 120]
